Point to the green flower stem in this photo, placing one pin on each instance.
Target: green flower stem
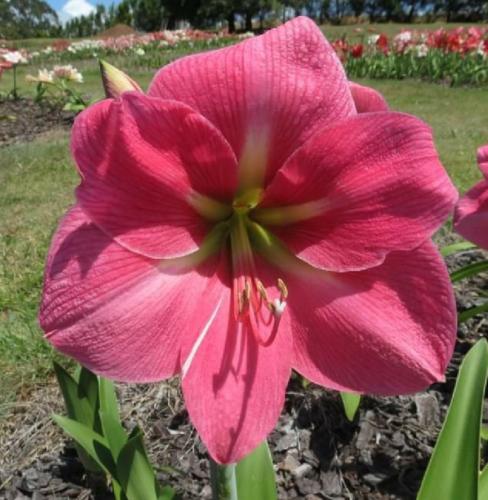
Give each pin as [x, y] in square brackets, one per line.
[14, 90]
[223, 481]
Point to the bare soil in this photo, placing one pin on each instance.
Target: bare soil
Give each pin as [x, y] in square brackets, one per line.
[22, 119]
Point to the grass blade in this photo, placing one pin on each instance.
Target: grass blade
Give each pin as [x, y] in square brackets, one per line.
[469, 270]
[473, 311]
[462, 246]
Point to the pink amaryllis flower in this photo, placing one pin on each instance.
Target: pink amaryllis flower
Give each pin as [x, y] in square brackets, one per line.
[242, 220]
[471, 215]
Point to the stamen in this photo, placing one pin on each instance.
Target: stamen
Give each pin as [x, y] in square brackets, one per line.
[252, 304]
[282, 216]
[283, 289]
[209, 208]
[262, 290]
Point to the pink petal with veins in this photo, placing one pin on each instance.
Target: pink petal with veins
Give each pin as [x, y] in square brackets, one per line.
[377, 184]
[140, 159]
[366, 99]
[120, 314]
[369, 331]
[270, 92]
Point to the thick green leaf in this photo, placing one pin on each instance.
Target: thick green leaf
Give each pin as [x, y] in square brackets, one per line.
[469, 270]
[117, 490]
[78, 408]
[88, 386]
[165, 492]
[351, 404]
[109, 416]
[92, 443]
[457, 247]
[255, 475]
[77, 403]
[134, 471]
[484, 432]
[473, 311]
[453, 470]
[483, 485]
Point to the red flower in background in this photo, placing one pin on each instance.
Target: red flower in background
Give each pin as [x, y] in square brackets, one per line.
[357, 50]
[382, 43]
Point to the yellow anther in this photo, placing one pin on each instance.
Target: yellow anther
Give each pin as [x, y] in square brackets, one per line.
[262, 290]
[247, 291]
[283, 289]
[244, 297]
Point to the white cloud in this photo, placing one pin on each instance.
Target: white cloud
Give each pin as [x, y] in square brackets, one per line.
[75, 8]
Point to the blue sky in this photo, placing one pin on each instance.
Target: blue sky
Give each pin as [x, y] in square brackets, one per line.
[70, 8]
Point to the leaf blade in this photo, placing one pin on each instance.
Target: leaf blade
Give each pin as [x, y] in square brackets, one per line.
[350, 402]
[453, 470]
[92, 443]
[113, 430]
[461, 246]
[469, 270]
[255, 475]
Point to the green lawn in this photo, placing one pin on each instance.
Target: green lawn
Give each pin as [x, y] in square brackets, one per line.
[37, 181]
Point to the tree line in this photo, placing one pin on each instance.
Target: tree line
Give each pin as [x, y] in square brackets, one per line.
[31, 18]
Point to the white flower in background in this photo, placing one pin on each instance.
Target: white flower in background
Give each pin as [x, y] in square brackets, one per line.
[14, 57]
[43, 76]
[372, 39]
[403, 37]
[139, 51]
[35, 54]
[247, 34]
[68, 72]
[163, 43]
[421, 50]
[170, 37]
[481, 50]
[48, 50]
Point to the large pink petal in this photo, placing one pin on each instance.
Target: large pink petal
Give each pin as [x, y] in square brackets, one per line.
[140, 159]
[366, 99]
[471, 215]
[120, 314]
[234, 387]
[376, 184]
[388, 330]
[267, 94]
[483, 160]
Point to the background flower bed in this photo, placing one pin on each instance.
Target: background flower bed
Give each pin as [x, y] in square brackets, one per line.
[457, 55]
